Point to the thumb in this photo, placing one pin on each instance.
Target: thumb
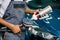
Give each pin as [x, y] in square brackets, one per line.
[20, 25]
[36, 12]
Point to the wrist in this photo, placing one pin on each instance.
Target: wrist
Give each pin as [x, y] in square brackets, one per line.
[11, 26]
[32, 11]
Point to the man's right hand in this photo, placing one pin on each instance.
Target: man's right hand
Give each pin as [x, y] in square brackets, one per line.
[16, 28]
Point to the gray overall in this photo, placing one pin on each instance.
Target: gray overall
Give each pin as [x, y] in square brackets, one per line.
[15, 17]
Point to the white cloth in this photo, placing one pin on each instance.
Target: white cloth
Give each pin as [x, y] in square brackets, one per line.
[4, 6]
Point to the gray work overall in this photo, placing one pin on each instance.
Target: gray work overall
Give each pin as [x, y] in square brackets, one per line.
[15, 17]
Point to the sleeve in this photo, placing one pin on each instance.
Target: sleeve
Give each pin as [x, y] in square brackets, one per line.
[1, 12]
[1, 15]
[4, 6]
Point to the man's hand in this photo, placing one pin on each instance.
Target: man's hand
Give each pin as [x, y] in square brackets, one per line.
[37, 16]
[16, 28]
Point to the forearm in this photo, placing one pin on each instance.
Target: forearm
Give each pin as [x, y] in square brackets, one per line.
[28, 10]
[5, 23]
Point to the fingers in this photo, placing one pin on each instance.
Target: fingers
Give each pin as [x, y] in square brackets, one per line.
[36, 14]
[36, 11]
[19, 25]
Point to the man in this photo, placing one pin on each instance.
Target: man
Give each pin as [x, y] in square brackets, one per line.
[13, 20]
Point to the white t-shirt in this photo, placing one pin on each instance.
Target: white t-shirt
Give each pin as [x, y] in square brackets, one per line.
[4, 6]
